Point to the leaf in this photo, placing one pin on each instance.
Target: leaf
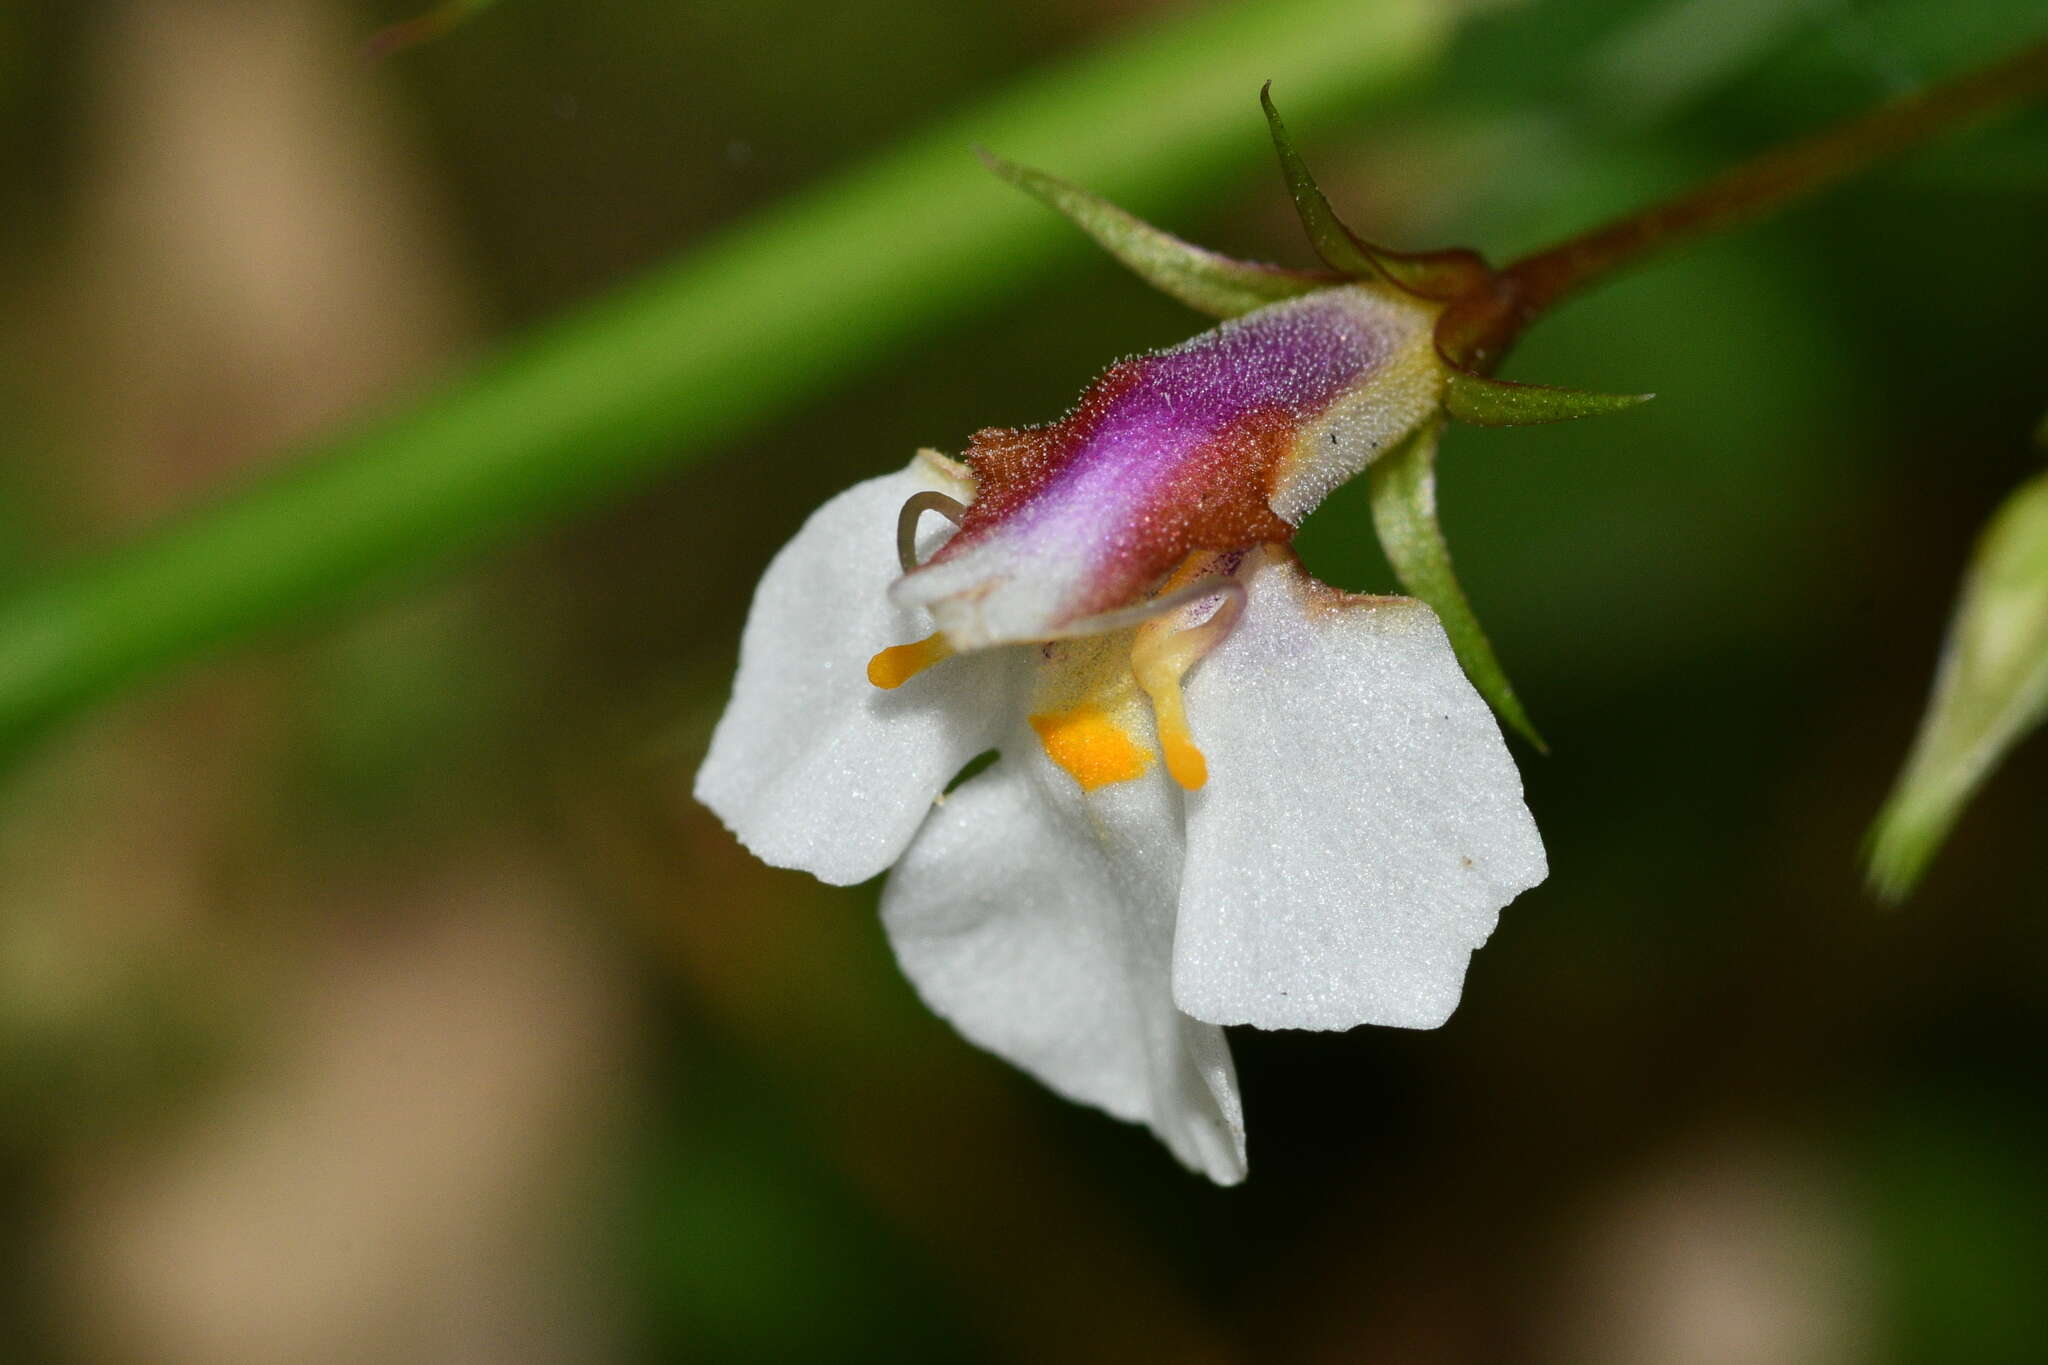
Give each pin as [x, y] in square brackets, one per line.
[840, 278]
[1206, 281]
[1403, 487]
[1501, 403]
[1991, 688]
[1432, 274]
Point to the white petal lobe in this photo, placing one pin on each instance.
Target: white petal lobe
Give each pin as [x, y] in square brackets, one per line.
[1363, 822]
[1039, 922]
[812, 766]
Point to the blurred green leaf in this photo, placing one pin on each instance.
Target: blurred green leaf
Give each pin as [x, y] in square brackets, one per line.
[1992, 686]
[1206, 281]
[1403, 484]
[1957, 1212]
[836, 281]
[733, 1216]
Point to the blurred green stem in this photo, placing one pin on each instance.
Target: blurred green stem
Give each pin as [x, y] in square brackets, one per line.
[787, 304]
[1484, 326]
[437, 22]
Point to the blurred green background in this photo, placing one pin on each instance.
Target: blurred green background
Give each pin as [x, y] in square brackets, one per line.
[379, 994]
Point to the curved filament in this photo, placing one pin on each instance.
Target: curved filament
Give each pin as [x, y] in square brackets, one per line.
[952, 509]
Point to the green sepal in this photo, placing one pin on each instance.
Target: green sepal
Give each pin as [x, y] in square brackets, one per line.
[1990, 689]
[1206, 281]
[1334, 242]
[1488, 402]
[1403, 487]
[1437, 275]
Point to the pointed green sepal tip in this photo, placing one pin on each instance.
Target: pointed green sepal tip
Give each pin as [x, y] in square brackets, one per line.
[1403, 487]
[1439, 275]
[1991, 688]
[1207, 281]
[1336, 244]
[1488, 402]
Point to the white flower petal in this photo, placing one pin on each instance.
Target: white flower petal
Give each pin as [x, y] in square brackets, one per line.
[1039, 921]
[1362, 824]
[812, 766]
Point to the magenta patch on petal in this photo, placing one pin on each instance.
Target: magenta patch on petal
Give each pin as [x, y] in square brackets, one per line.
[1165, 455]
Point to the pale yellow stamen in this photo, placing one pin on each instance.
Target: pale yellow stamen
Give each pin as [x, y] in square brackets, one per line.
[1159, 672]
[898, 664]
[1183, 756]
[1162, 655]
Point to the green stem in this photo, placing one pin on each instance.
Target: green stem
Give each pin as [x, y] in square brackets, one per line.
[789, 304]
[1532, 286]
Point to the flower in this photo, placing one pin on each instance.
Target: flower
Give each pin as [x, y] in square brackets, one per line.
[1226, 794]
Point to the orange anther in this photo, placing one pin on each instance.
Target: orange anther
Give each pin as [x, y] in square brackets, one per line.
[898, 664]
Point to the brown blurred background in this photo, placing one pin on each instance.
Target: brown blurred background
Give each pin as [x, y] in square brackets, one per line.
[380, 995]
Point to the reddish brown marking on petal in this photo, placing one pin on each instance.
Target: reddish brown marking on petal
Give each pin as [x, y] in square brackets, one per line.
[1166, 454]
[1212, 496]
[1012, 464]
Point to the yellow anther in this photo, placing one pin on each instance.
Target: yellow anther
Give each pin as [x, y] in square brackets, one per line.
[1094, 750]
[898, 664]
[1185, 761]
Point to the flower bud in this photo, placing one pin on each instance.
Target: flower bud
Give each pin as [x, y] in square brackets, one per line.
[1990, 689]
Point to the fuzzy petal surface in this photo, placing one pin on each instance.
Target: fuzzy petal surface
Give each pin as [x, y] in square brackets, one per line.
[1039, 921]
[1224, 442]
[1362, 824]
[812, 766]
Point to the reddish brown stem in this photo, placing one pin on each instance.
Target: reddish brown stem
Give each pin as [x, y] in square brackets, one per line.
[1530, 287]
